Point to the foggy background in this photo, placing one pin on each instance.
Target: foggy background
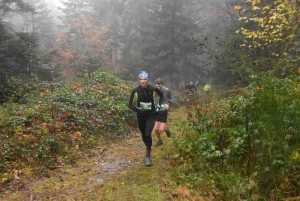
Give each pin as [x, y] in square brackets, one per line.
[178, 40]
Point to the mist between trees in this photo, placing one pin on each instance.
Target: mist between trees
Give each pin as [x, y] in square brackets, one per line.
[219, 42]
[180, 41]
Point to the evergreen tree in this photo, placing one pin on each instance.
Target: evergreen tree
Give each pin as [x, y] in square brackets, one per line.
[15, 48]
[7, 6]
[132, 22]
[111, 14]
[168, 46]
[41, 22]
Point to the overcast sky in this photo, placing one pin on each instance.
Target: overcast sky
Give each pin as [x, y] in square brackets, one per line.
[54, 3]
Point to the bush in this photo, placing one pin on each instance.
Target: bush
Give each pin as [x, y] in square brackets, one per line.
[53, 120]
[252, 137]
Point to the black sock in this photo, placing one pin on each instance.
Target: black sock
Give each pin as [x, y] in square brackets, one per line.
[148, 152]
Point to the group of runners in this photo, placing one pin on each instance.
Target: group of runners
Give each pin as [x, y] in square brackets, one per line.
[151, 105]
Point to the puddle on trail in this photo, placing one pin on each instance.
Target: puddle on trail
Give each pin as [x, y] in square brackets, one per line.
[117, 165]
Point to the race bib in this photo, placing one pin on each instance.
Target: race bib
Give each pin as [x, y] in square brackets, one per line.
[162, 107]
[145, 106]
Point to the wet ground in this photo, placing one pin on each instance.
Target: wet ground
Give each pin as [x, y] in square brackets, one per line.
[93, 169]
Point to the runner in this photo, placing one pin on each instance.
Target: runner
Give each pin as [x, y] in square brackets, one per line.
[207, 89]
[141, 101]
[190, 89]
[161, 118]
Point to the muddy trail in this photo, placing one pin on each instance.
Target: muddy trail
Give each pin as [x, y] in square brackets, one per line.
[114, 171]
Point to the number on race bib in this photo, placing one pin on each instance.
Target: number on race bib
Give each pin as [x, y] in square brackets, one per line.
[145, 106]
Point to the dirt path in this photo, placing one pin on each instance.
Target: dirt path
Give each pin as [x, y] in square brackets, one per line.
[112, 172]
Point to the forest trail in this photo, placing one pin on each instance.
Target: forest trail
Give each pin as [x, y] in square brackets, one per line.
[113, 172]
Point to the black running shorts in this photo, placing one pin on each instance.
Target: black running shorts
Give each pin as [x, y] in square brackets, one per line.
[162, 116]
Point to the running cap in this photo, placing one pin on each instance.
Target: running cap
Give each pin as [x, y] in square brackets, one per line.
[144, 74]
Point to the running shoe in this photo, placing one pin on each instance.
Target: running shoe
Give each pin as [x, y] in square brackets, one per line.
[159, 142]
[148, 161]
[168, 132]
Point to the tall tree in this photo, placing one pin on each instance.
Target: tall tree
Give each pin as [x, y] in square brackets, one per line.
[168, 46]
[15, 48]
[275, 38]
[221, 45]
[133, 21]
[7, 6]
[41, 22]
[81, 45]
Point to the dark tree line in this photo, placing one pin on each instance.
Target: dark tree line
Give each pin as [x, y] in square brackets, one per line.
[165, 37]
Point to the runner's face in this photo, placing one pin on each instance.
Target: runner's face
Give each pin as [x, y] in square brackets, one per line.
[159, 86]
[143, 82]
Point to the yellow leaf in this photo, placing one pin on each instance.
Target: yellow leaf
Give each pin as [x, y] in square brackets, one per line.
[255, 2]
[255, 8]
[238, 8]
[242, 18]
[282, 6]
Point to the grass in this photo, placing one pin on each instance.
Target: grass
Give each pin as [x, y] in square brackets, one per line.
[88, 180]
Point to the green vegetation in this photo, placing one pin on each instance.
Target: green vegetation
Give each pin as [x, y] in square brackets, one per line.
[242, 147]
[51, 121]
[246, 146]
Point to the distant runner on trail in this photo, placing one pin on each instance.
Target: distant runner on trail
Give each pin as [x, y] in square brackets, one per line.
[161, 118]
[207, 89]
[190, 88]
[141, 101]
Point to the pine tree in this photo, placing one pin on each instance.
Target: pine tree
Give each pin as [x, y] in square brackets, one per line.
[169, 49]
[41, 22]
[14, 50]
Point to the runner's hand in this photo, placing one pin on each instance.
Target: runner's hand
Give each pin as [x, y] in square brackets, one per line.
[166, 106]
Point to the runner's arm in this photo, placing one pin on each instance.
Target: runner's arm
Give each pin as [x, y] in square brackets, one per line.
[133, 102]
[170, 97]
[161, 96]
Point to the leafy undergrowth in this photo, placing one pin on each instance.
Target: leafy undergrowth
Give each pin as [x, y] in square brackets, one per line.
[49, 122]
[113, 171]
[244, 147]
